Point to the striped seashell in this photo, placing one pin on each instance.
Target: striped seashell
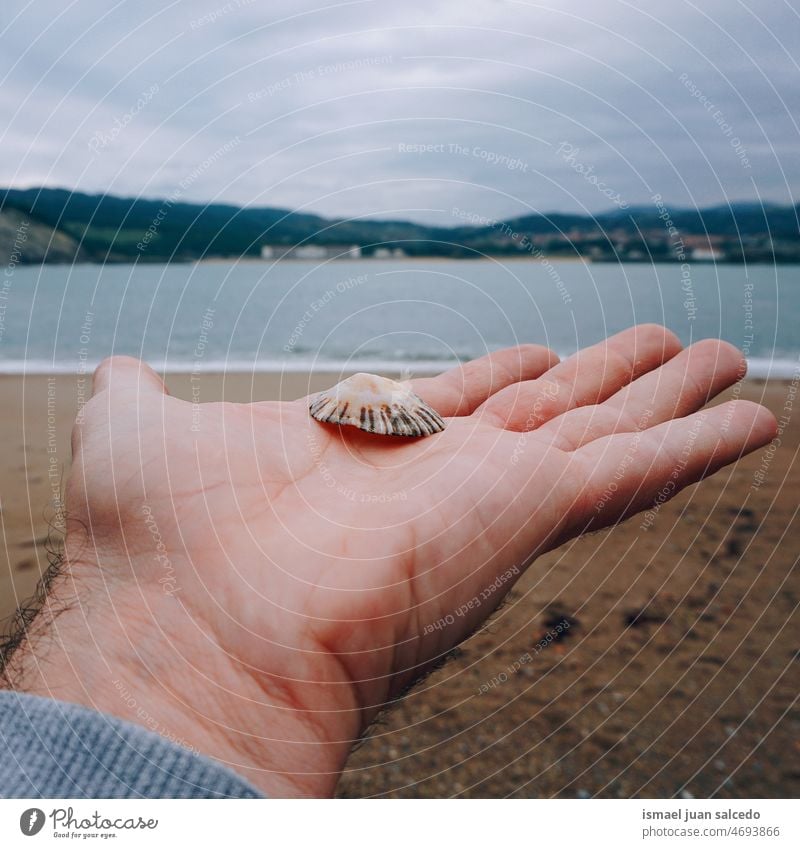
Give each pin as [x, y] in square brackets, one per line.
[377, 405]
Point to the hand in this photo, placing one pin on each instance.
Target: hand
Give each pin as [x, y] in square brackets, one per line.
[263, 584]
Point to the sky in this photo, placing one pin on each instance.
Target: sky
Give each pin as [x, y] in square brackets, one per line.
[440, 112]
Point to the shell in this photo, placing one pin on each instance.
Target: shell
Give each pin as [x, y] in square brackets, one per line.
[377, 405]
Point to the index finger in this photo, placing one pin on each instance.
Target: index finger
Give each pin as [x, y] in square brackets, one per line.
[461, 390]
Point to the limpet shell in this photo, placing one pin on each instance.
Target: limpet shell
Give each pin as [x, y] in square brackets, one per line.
[377, 405]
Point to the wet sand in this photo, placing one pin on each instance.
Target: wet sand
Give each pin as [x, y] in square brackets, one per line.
[675, 664]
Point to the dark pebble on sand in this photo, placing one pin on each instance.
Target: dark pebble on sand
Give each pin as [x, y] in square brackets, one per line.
[642, 617]
[558, 624]
[734, 547]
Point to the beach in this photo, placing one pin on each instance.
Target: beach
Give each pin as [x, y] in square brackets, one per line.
[658, 658]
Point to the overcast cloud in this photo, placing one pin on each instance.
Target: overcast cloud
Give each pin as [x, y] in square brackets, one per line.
[552, 106]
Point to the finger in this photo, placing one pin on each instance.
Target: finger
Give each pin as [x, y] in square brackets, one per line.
[683, 385]
[126, 372]
[461, 390]
[588, 377]
[629, 472]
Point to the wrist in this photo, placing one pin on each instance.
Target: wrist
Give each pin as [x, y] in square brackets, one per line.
[140, 652]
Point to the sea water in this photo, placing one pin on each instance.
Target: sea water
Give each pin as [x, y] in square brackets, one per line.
[422, 315]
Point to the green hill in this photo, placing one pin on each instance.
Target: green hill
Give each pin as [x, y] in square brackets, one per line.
[105, 228]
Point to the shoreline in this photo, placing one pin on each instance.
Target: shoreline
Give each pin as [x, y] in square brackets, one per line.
[759, 368]
[480, 257]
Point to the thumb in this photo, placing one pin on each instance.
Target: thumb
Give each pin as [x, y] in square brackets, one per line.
[127, 372]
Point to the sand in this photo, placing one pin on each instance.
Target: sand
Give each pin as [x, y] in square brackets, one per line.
[679, 671]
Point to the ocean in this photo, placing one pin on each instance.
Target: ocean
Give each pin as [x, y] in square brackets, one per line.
[420, 315]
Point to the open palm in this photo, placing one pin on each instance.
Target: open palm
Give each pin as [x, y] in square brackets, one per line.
[297, 576]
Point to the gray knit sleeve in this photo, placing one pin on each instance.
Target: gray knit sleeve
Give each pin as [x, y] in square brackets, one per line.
[52, 749]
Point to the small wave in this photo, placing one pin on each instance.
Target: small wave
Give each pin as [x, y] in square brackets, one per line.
[33, 367]
[773, 369]
[403, 356]
[758, 367]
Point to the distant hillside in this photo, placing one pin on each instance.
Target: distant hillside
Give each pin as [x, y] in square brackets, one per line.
[110, 228]
[121, 228]
[24, 241]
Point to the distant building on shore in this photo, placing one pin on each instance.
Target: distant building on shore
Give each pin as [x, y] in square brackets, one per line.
[310, 251]
[707, 254]
[333, 251]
